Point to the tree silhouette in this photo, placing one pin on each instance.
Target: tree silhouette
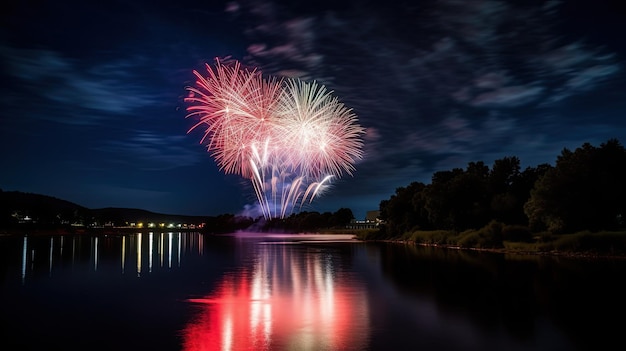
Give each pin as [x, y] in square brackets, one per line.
[586, 190]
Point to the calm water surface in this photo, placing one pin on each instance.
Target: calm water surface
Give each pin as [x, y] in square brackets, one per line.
[189, 291]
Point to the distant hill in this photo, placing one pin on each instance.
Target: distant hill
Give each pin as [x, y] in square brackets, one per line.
[124, 214]
[18, 200]
[19, 208]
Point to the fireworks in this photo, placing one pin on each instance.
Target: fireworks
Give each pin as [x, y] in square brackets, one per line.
[288, 137]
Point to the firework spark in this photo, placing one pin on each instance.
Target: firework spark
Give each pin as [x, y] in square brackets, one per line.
[288, 137]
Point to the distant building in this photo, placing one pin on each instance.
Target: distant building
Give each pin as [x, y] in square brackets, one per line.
[371, 221]
[372, 216]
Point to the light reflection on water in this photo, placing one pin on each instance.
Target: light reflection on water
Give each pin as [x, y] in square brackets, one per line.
[133, 249]
[173, 291]
[291, 298]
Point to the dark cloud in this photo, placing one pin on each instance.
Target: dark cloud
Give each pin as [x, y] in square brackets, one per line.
[464, 80]
[150, 151]
[87, 95]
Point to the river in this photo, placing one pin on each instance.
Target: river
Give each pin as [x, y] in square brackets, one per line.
[250, 291]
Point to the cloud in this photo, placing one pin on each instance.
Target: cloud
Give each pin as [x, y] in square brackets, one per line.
[497, 53]
[511, 96]
[50, 77]
[147, 150]
[566, 58]
[589, 77]
[491, 80]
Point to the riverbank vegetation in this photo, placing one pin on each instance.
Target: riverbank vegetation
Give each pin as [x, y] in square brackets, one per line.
[504, 238]
[578, 205]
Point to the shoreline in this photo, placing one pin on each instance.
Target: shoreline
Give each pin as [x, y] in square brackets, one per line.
[90, 231]
[505, 251]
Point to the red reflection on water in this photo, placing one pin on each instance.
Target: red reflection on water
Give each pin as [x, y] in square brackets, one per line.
[287, 301]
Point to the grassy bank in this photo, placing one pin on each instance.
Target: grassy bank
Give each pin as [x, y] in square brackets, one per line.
[514, 239]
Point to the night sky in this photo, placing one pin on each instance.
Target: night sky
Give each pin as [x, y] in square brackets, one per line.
[92, 106]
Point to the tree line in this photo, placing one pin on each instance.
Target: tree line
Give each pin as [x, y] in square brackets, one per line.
[584, 190]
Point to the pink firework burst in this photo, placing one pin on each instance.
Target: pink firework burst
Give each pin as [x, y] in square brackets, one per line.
[235, 106]
[289, 137]
[325, 130]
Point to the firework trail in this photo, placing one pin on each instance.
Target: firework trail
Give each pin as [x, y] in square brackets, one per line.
[288, 137]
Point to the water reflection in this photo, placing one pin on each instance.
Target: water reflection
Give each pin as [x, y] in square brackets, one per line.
[283, 293]
[538, 302]
[134, 251]
[25, 246]
[292, 297]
